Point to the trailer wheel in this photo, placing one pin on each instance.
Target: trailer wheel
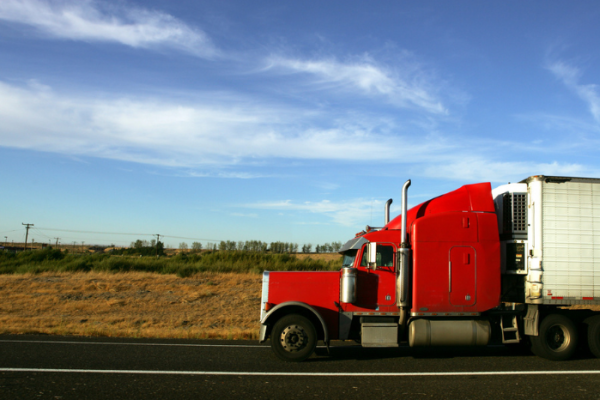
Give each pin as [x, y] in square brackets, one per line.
[594, 336]
[557, 339]
[293, 338]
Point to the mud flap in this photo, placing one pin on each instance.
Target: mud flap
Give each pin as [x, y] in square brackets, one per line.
[532, 320]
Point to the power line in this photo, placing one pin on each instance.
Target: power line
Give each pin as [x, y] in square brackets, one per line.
[15, 230]
[129, 234]
[188, 238]
[40, 232]
[101, 233]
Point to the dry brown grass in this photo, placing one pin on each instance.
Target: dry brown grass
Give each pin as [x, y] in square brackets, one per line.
[131, 305]
[319, 256]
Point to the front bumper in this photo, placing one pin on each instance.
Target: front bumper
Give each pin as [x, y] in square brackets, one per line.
[262, 336]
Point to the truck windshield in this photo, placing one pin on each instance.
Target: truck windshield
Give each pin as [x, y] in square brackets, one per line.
[349, 257]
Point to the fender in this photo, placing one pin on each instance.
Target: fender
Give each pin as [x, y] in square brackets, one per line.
[265, 320]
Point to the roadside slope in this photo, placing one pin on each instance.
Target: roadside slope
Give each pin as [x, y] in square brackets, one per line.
[134, 304]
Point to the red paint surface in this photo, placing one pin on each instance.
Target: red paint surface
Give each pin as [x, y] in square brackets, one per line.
[318, 289]
[476, 197]
[463, 276]
[441, 234]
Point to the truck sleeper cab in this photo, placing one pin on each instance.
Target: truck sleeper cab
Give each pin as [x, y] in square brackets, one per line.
[464, 268]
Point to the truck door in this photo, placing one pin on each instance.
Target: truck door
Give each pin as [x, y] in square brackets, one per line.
[462, 276]
[377, 286]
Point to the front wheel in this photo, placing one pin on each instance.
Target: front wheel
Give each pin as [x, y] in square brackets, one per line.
[293, 338]
[557, 339]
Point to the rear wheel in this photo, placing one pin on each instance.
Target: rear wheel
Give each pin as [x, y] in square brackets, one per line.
[594, 336]
[293, 338]
[557, 339]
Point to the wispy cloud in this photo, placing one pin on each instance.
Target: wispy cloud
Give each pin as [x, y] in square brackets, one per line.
[218, 130]
[571, 77]
[359, 211]
[90, 20]
[581, 133]
[225, 135]
[245, 215]
[407, 88]
[480, 169]
[345, 213]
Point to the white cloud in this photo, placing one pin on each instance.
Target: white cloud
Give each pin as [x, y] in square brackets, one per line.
[90, 20]
[212, 131]
[223, 135]
[470, 170]
[245, 215]
[571, 76]
[402, 88]
[225, 174]
[578, 132]
[479, 169]
[345, 213]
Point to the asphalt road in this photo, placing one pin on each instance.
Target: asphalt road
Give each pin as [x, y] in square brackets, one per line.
[52, 367]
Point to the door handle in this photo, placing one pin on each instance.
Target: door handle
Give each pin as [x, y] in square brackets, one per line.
[449, 276]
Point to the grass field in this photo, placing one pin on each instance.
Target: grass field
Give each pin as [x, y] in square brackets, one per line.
[134, 304]
[207, 295]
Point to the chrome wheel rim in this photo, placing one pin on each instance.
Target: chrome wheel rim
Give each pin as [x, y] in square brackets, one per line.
[558, 338]
[293, 338]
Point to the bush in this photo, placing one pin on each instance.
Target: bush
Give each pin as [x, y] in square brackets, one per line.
[182, 264]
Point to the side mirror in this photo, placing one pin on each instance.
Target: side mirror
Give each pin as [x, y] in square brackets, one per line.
[372, 255]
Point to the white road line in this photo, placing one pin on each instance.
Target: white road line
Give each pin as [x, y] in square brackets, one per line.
[324, 374]
[135, 344]
[151, 344]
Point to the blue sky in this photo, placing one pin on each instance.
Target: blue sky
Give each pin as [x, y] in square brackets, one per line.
[290, 121]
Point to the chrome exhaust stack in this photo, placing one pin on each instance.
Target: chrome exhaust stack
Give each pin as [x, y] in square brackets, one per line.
[387, 218]
[387, 211]
[402, 277]
[404, 207]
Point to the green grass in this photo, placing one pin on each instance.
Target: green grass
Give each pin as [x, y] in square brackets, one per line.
[49, 260]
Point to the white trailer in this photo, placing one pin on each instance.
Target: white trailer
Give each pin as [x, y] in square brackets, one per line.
[550, 241]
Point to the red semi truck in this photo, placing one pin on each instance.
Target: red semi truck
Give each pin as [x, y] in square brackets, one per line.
[470, 267]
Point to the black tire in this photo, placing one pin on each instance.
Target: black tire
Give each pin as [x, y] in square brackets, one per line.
[557, 339]
[594, 336]
[293, 338]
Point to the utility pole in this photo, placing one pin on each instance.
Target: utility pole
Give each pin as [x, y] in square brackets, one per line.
[156, 247]
[56, 242]
[5, 241]
[26, 233]
[82, 246]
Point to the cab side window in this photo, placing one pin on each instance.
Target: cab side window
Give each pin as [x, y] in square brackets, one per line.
[385, 256]
[363, 262]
